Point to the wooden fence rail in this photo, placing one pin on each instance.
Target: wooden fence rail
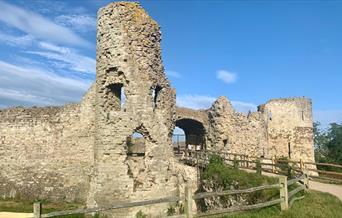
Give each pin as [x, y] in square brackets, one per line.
[231, 192]
[240, 208]
[295, 191]
[283, 200]
[292, 181]
[269, 164]
[37, 207]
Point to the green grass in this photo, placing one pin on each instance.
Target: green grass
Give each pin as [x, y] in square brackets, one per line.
[27, 207]
[314, 205]
[225, 176]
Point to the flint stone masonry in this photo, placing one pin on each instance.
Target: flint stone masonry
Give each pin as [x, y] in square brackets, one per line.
[87, 152]
[47, 152]
[280, 128]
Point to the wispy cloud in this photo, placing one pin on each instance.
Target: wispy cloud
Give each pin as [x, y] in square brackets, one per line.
[205, 102]
[172, 73]
[64, 57]
[33, 86]
[325, 117]
[38, 26]
[24, 97]
[77, 22]
[23, 40]
[195, 101]
[226, 76]
[244, 107]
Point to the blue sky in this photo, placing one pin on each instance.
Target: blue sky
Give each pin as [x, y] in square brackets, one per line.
[249, 51]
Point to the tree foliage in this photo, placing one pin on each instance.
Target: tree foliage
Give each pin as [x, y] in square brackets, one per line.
[328, 143]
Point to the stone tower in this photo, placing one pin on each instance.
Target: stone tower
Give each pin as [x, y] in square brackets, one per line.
[133, 97]
[289, 128]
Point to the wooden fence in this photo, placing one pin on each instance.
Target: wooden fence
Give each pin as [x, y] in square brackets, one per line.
[271, 165]
[201, 159]
[37, 207]
[285, 200]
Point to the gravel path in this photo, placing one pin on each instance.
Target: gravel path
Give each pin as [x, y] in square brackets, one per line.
[330, 188]
[333, 189]
[15, 215]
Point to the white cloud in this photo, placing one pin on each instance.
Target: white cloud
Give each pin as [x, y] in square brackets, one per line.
[205, 102]
[244, 107]
[23, 40]
[195, 101]
[226, 76]
[325, 117]
[64, 57]
[26, 98]
[174, 74]
[77, 22]
[34, 86]
[38, 26]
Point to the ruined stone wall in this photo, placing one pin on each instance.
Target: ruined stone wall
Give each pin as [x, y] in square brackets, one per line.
[235, 132]
[129, 65]
[281, 127]
[79, 152]
[198, 115]
[289, 128]
[47, 152]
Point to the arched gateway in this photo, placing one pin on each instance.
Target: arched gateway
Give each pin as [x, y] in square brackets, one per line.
[195, 125]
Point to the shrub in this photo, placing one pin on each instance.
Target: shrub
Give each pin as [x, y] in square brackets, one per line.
[140, 214]
[285, 167]
[227, 177]
[171, 210]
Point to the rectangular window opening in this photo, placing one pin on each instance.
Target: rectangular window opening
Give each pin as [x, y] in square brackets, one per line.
[115, 96]
[155, 96]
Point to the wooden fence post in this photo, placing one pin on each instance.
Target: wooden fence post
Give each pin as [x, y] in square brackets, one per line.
[284, 205]
[306, 179]
[247, 163]
[258, 166]
[273, 165]
[235, 162]
[188, 201]
[301, 164]
[37, 209]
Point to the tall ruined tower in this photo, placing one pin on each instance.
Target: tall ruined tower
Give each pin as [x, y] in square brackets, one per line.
[289, 128]
[133, 98]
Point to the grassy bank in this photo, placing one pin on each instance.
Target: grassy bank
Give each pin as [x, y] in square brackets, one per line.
[314, 205]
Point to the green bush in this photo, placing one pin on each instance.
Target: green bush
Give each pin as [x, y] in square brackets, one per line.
[140, 214]
[171, 210]
[285, 167]
[226, 177]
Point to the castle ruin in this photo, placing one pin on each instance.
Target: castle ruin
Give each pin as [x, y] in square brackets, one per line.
[87, 152]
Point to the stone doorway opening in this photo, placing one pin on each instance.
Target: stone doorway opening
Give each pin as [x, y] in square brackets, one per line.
[188, 135]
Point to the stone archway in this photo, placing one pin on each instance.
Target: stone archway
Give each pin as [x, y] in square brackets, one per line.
[194, 131]
[195, 124]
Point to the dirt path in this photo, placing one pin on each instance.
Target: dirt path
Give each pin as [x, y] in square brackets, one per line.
[15, 215]
[330, 188]
[333, 189]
